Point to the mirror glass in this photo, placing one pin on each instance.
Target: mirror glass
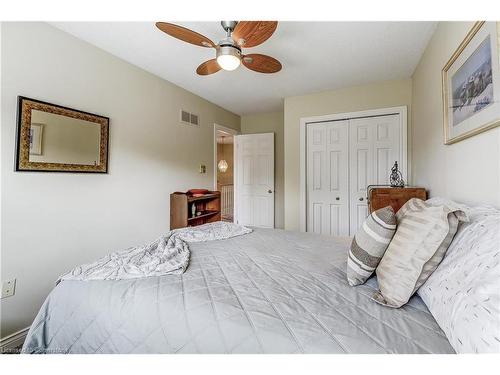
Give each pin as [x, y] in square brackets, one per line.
[60, 139]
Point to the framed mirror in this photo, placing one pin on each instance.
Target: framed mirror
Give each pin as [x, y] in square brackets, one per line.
[52, 138]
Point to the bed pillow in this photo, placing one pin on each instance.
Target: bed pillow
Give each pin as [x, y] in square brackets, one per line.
[461, 214]
[424, 233]
[463, 294]
[369, 244]
[461, 210]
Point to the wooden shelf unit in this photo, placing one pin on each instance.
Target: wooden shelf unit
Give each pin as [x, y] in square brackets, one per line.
[207, 205]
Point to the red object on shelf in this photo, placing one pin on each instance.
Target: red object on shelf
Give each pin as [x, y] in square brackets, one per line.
[197, 192]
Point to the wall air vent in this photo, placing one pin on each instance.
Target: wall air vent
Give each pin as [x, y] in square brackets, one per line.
[189, 118]
[194, 119]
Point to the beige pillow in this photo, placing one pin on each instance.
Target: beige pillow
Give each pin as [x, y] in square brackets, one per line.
[423, 235]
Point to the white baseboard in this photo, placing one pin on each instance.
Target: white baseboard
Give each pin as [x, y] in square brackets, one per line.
[9, 343]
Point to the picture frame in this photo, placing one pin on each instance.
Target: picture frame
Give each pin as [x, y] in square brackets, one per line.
[471, 84]
[36, 135]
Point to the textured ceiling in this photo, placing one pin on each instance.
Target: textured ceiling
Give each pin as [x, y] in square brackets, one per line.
[316, 56]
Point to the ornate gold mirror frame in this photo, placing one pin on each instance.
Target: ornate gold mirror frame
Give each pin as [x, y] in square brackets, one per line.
[23, 163]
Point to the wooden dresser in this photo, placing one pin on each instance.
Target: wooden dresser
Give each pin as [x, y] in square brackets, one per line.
[380, 197]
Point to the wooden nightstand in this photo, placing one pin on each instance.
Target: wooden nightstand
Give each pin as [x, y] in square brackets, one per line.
[380, 197]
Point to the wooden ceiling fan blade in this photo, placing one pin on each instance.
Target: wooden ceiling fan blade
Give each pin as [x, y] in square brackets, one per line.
[208, 67]
[261, 63]
[184, 34]
[252, 33]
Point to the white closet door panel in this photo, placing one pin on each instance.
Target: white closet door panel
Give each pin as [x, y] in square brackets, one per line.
[338, 163]
[327, 178]
[374, 146]
[317, 169]
[317, 217]
[316, 160]
[383, 164]
[386, 146]
[336, 221]
[362, 168]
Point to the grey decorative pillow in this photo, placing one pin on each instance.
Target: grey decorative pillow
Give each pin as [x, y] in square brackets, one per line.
[369, 245]
[423, 236]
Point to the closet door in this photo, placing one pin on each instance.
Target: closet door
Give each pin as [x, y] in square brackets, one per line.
[328, 178]
[373, 147]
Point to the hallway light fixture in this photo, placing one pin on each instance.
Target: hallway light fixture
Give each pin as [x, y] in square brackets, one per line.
[222, 164]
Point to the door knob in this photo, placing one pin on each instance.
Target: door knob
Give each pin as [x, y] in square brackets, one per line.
[269, 191]
[361, 199]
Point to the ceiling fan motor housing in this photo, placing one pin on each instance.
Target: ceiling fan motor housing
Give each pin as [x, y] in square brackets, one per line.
[228, 25]
[229, 49]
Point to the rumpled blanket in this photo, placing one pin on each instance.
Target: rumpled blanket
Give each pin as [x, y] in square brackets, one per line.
[169, 254]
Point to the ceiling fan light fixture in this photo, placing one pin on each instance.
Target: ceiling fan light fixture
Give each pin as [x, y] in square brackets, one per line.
[228, 57]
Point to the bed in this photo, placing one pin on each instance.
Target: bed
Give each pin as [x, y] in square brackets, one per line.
[270, 291]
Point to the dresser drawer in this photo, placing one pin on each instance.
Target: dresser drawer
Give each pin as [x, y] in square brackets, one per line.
[395, 197]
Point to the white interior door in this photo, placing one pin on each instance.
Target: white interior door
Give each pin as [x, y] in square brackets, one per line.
[374, 146]
[327, 178]
[254, 182]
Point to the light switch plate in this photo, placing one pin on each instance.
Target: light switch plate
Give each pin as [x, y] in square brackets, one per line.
[8, 288]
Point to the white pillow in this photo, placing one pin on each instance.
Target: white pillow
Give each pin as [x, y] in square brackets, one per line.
[463, 293]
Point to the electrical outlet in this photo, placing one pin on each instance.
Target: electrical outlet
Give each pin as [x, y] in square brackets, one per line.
[8, 288]
[203, 168]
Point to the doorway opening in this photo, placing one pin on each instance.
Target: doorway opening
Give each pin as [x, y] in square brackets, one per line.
[224, 170]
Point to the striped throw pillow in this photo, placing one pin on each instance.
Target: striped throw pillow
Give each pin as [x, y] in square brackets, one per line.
[424, 234]
[369, 245]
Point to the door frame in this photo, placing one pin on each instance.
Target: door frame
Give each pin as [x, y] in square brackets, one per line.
[224, 129]
[402, 111]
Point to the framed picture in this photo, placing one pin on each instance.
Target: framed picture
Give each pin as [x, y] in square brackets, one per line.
[36, 133]
[471, 84]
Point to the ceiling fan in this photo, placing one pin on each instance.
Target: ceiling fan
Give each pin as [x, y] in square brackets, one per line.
[229, 56]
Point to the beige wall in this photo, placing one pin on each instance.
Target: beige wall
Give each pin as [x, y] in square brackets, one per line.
[52, 222]
[467, 171]
[271, 123]
[358, 98]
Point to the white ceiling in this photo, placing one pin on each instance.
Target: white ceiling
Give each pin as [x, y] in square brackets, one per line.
[316, 56]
